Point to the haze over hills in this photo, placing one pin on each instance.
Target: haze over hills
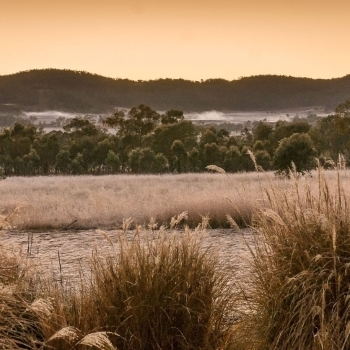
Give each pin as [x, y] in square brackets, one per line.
[75, 91]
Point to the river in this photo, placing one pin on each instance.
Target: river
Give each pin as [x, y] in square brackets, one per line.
[65, 255]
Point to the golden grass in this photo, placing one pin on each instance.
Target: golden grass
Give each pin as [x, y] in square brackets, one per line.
[104, 201]
[20, 319]
[158, 290]
[300, 295]
[162, 291]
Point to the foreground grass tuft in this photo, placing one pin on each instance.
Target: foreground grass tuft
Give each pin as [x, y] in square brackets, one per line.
[158, 291]
[20, 323]
[302, 268]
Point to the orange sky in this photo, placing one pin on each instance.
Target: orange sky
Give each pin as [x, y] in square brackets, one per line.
[188, 39]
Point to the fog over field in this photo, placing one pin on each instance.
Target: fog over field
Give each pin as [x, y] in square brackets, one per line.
[241, 117]
[49, 114]
[207, 116]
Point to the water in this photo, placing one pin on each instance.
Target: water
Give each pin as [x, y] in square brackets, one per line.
[65, 255]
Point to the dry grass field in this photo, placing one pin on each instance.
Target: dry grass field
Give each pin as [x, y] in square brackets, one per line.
[104, 201]
[86, 202]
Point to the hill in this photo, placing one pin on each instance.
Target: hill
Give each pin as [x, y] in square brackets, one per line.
[76, 91]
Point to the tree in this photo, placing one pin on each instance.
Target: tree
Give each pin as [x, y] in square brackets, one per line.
[32, 162]
[178, 149]
[165, 135]
[247, 163]
[112, 162]
[285, 129]
[147, 160]
[194, 160]
[223, 135]
[171, 117]
[6, 163]
[331, 136]
[47, 148]
[102, 150]
[2, 174]
[209, 136]
[81, 127]
[232, 161]
[259, 146]
[19, 146]
[161, 164]
[77, 165]
[246, 137]
[63, 161]
[263, 159]
[140, 121]
[115, 121]
[297, 149]
[343, 109]
[212, 154]
[262, 131]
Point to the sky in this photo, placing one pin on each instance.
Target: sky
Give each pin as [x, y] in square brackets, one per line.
[152, 39]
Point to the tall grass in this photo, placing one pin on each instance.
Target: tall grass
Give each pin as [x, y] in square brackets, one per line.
[159, 290]
[302, 268]
[156, 292]
[87, 202]
[103, 202]
[20, 319]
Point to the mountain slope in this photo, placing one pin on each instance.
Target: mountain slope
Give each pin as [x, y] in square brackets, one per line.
[74, 91]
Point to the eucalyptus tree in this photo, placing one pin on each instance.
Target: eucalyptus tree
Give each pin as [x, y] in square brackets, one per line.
[297, 149]
[131, 128]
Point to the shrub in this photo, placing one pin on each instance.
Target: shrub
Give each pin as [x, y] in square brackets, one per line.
[297, 149]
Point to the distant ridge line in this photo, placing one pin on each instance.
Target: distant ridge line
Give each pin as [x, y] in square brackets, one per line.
[73, 91]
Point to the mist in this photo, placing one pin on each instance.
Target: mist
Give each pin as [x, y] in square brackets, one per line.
[207, 116]
[241, 117]
[50, 114]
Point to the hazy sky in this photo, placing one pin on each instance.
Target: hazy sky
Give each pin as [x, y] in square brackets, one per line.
[151, 39]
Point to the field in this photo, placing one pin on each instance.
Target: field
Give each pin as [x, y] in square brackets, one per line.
[87, 202]
[164, 287]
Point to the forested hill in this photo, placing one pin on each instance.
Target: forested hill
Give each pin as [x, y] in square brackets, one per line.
[76, 91]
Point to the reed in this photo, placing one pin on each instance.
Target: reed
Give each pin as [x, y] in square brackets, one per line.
[103, 202]
[301, 275]
[20, 319]
[157, 291]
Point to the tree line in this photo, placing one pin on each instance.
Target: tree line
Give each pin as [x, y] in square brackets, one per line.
[148, 142]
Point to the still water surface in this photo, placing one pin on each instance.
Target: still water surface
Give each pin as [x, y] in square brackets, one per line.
[67, 254]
